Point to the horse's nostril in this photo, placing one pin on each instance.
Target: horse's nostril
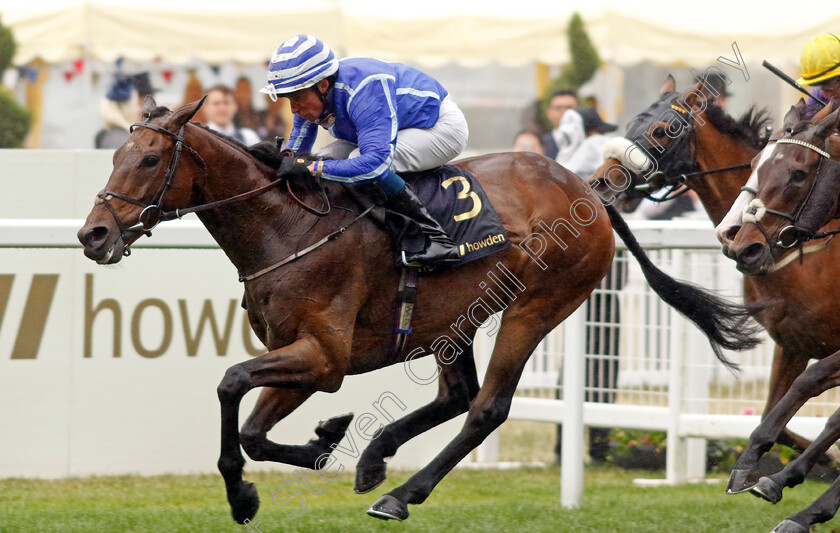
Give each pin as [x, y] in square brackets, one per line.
[732, 232]
[751, 254]
[94, 236]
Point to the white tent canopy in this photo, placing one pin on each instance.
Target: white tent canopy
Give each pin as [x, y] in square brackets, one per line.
[432, 32]
[175, 31]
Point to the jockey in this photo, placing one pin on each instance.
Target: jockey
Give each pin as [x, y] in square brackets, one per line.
[364, 103]
[820, 66]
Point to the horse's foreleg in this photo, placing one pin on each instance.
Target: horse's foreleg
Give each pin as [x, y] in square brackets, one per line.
[770, 487]
[786, 367]
[515, 341]
[274, 405]
[301, 365]
[457, 386]
[241, 495]
[815, 380]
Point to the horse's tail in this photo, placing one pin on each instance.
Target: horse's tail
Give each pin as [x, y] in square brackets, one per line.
[727, 325]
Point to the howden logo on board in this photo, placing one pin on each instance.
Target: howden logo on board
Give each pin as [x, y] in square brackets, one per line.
[35, 312]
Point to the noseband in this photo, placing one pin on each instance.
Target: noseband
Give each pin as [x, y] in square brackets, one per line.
[789, 236]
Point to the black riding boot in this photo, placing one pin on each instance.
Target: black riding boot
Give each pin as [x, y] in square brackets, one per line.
[440, 250]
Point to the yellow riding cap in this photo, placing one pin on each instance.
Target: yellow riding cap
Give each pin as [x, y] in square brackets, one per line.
[820, 59]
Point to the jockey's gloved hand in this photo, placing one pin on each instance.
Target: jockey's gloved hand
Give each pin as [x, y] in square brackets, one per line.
[293, 168]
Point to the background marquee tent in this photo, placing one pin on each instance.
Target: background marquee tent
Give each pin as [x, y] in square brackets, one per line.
[432, 32]
[494, 56]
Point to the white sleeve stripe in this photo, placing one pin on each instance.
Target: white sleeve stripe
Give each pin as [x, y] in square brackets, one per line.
[394, 124]
[415, 92]
[304, 130]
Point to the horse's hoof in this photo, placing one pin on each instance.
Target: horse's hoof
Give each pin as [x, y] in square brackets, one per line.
[244, 503]
[334, 429]
[388, 508]
[369, 477]
[741, 480]
[789, 526]
[767, 489]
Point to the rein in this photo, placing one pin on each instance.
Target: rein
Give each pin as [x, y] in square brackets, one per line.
[152, 214]
[301, 253]
[676, 182]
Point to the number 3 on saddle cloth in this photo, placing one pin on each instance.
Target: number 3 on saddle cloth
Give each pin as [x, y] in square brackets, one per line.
[458, 202]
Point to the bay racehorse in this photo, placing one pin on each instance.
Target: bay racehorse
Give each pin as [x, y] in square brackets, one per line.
[797, 192]
[329, 313]
[711, 155]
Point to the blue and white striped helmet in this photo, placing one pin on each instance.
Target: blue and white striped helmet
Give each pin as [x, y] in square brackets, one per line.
[300, 62]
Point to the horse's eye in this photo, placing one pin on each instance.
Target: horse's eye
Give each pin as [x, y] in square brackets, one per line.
[798, 176]
[659, 132]
[150, 161]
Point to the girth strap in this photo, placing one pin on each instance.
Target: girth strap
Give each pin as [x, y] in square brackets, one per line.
[406, 295]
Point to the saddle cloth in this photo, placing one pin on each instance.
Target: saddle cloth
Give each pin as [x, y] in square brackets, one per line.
[458, 202]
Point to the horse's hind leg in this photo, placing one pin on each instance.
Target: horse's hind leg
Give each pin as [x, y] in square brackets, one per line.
[770, 487]
[518, 336]
[457, 386]
[274, 405]
[815, 380]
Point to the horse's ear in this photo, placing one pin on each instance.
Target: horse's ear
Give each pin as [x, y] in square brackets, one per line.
[692, 96]
[149, 105]
[822, 113]
[829, 124]
[792, 117]
[184, 113]
[668, 86]
[832, 145]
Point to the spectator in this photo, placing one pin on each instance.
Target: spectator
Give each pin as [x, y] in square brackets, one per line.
[144, 86]
[528, 140]
[246, 115]
[120, 109]
[560, 102]
[587, 158]
[718, 84]
[271, 121]
[219, 111]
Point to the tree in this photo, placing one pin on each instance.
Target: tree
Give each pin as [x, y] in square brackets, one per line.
[584, 63]
[14, 120]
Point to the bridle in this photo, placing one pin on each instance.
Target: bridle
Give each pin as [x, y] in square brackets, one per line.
[678, 152]
[152, 214]
[790, 235]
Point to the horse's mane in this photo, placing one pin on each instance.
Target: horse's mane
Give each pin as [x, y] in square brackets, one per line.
[746, 128]
[228, 138]
[158, 112]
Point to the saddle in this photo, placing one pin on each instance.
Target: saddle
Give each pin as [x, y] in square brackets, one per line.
[458, 202]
